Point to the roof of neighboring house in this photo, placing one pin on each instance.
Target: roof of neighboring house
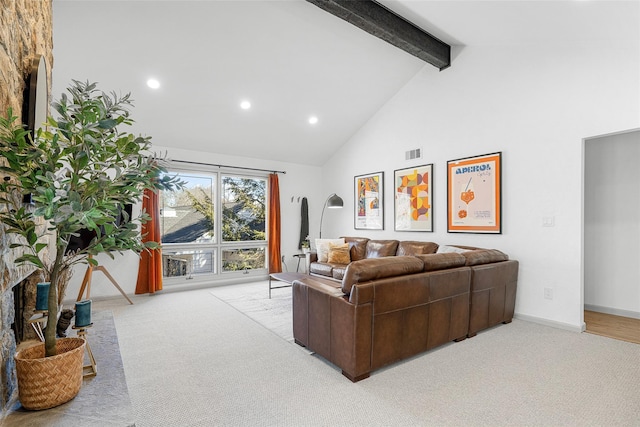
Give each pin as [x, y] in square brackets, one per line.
[186, 226]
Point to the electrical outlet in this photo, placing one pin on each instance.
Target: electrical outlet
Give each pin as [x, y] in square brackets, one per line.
[548, 293]
[548, 221]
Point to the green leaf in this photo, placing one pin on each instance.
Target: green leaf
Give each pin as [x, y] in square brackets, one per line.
[152, 245]
[28, 258]
[32, 237]
[76, 206]
[107, 124]
[109, 228]
[83, 160]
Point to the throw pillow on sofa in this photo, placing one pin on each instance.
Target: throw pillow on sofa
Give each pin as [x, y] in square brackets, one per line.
[322, 247]
[339, 254]
[410, 247]
[442, 249]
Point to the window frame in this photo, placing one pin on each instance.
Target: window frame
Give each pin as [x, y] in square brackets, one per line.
[218, 245]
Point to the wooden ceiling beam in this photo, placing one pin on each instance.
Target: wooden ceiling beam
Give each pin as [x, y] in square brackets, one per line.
[379, 21]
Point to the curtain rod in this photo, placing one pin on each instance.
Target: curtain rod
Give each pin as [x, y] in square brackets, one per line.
[227, 166]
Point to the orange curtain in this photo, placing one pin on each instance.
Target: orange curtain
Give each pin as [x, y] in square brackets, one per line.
[150, 270]
[275, 259]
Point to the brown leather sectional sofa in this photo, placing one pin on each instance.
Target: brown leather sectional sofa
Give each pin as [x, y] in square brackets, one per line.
[396, 299]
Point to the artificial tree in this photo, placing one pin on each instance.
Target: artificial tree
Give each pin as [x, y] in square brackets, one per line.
[80, 171]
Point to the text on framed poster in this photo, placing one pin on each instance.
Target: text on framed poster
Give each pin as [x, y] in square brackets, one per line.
[474, 194]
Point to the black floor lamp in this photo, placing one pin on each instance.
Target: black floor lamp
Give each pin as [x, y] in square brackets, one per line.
[333, 202]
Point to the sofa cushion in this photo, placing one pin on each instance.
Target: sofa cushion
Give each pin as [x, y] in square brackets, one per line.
[433, 262]
[339, 254]
[321, 268]
[381, 248]
[378, 268]
[338, 271]
[410, 247]
[322, 247]
[484, 256]
[357, 247]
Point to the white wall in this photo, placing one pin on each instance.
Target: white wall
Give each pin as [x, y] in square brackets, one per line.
[299, 181]
[535, 104]
[612, 224]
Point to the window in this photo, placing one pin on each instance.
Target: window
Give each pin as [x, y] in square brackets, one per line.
[215, 225]
[186, 216]
[243, 212]
[243, 259]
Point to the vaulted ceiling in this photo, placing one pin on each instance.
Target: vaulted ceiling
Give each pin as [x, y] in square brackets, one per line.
[290, 59]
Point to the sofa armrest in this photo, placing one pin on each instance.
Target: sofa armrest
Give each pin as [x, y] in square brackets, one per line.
[319, 289]
[484, 256]
[325, 322]
[330, 287]
[493, 294]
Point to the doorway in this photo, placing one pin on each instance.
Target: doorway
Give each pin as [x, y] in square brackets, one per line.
[611, 230]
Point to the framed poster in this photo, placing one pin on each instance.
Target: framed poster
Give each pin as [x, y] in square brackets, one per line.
[413, 200]
[474, 194]
[369, 193]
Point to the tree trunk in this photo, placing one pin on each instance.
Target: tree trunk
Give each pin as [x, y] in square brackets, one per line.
[52, 301]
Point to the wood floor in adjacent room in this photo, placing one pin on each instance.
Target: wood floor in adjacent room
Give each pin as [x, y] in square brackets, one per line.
[608, 325]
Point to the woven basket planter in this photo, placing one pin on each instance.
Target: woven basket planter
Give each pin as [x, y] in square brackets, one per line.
[45, 382]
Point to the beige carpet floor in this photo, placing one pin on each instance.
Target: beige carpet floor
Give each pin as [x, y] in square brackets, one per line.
[192, 359]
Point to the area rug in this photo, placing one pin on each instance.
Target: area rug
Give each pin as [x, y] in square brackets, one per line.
[252, 299]
[103, 399]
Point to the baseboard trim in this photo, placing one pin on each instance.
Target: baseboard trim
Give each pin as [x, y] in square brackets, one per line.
[614, 311]
[552, 323]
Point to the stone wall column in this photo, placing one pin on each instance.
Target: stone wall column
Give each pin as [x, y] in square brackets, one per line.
[26, 30]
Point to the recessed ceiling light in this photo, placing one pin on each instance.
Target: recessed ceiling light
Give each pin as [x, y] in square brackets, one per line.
[245, 105]
[153, 83]
[313, 120]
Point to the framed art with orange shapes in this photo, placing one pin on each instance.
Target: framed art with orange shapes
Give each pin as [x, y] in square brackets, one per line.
[369, 203]
[474, 199]
[413, 199]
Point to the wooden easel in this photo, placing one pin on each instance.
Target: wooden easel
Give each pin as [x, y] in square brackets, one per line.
[86, 281]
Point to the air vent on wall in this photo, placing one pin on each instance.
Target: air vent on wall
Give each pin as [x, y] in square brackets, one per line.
[413, 154]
